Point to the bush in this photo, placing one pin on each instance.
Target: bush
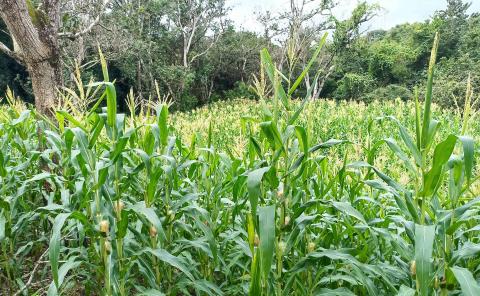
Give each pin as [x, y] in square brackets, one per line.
[389, 92]
[451, 80]
[354, 86]
[241, 90]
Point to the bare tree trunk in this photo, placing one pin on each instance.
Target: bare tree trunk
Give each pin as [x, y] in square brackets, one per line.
[36, 35]
[45, 81]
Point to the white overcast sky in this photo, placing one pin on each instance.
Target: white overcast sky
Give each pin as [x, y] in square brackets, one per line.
[394, 11]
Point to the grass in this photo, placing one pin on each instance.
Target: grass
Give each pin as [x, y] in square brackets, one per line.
[278, 197]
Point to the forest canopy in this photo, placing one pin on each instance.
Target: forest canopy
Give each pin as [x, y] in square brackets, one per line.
[191, 52]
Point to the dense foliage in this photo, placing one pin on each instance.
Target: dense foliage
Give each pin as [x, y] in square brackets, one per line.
[193, 54]
[387, 64]
[103, 203]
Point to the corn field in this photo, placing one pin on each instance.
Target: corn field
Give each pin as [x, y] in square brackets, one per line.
[277, 197]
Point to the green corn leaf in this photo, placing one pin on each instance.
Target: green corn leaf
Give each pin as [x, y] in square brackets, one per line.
[468, 284]
[162, 123]
[407, 139]
[103, 63]
[266, 216]
[329, 143]
[3, 170]
[400, 154]
[95, 133]
[250, 232]
[2, 226]
[72, 119]
[432, 131]
[309, 65]
[254, 180]
[347, 208]
[152, 184]
[172, 260]
[418, 132]
[270, 130]
[140, 209]
[111, 104]
[54, 246]
[151, 292]
[23, 116]
[207, 287]
[255, 289]
[122, 225]
[468, 155]
[406, 291]
[271, 71]
[111, 95]
[334, 292]
[302, 139]
[82, 142]
[442, 153]
[424, 237]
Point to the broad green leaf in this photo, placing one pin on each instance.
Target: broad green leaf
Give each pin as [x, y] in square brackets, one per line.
[172, 260]
[266, 217]
[334, 292]
[140, 209]
[468, 284]
[347, 208]
[255, 275]
[3, 170]
[271, 73]
[54, 246]
[151, 292]
[162, 123]
[72, 120]
[309, 65]
[327, 144]
[407, 139]
[23, 116]
[2, 226]
[442, 153]
[424, 237]
[468, 155]
[406, 291]
[400, 154]
[254, 180]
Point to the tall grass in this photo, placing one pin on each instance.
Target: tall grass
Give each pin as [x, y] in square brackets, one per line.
[316, 199]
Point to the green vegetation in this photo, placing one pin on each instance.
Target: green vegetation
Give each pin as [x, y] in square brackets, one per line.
[194, 54]
[301, 198]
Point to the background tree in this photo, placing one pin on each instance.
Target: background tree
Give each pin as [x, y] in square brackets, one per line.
[34, 30]
[35, 44]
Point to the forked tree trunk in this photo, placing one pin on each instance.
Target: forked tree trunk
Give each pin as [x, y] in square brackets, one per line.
[35, 36]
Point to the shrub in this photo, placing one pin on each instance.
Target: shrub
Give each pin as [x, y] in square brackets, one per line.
[451, 79]
[389, 92]
[241, 90]
[354, 86]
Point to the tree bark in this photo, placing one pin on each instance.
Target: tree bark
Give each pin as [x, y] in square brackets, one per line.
[36, 35]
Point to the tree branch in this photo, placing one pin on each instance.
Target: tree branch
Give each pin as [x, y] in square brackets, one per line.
[14, 55]
[87, 29]
[215, 39]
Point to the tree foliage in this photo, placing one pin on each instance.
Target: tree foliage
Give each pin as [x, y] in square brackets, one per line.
[189, 52]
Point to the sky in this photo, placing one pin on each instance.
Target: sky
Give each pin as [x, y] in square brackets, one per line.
[394, 12]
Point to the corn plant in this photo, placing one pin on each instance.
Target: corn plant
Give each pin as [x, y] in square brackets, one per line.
[276, 197]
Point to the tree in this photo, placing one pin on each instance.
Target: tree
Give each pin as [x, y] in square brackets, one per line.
[452, 23]
[302, 26]
[35, 35]
[194, 19]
